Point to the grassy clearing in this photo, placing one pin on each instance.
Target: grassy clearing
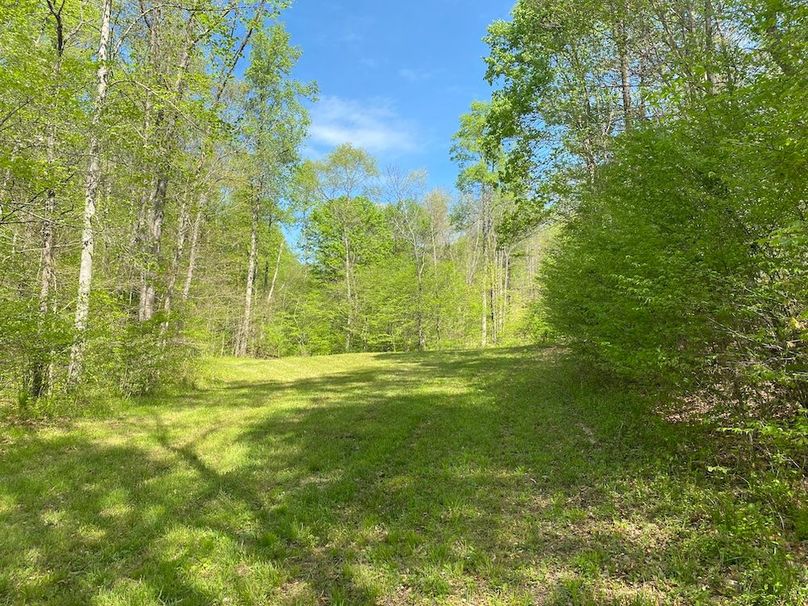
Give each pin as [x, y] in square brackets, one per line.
[502, 477]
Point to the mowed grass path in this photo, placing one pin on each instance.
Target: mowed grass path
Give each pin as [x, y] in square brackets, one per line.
[498, 477]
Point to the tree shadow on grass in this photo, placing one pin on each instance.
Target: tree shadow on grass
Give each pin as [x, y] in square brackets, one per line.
[490, 477]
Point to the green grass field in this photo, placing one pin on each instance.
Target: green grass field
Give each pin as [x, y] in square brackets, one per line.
[503, 477]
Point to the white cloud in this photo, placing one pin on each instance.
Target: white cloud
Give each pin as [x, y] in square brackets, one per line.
[373, 126]
[369, 62]
[415, 75]
[350, 37]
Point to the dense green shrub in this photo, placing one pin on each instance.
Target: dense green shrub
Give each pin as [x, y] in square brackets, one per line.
[688, 258]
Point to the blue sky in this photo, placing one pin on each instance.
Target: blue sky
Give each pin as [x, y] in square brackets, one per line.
[394, 76]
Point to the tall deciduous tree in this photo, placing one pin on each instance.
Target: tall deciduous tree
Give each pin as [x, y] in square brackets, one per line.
[93, 182]
[274, 127]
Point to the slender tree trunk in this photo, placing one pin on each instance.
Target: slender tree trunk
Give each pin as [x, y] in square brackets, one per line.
[349, 294]
[625, 77]
[91, 196]
[492, 311]
[155, 236]
[5, 187]
[493, 299]
[708, 45]
[271, 293]
[471, 267]
[435, 285]
[506, 290]
[420, 309]
[484, 339]
[41, 369]
[485, 237]
[174, 269]
[496, 296]
[157, 200]
[242, 341]
[138, 236]
[138, 230]
[40, 374]
[643, 80]
[189, 276]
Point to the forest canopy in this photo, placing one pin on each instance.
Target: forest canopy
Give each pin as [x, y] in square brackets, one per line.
[633, 189]
[669, 141]
[156, 208]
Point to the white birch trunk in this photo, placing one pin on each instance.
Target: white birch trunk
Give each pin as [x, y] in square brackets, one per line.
[243, 339]
[349, 294]
[174, 269]
[275, 275]
[189, 276]
[90, 199]
[155, 231]
[505, 289]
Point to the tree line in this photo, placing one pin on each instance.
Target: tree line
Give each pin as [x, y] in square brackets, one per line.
[634, 188]
[667, 143]
[122, 125]
[155, 207]
[385, 264]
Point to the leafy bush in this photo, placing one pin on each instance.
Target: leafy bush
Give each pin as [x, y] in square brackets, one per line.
[687, 262]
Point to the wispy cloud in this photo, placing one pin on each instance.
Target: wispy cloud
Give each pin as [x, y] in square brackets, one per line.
[350, 37]
[374, 126]
[369, 62]
[415, 75]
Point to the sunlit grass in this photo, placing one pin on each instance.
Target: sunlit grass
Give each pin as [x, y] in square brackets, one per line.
[503, 477]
